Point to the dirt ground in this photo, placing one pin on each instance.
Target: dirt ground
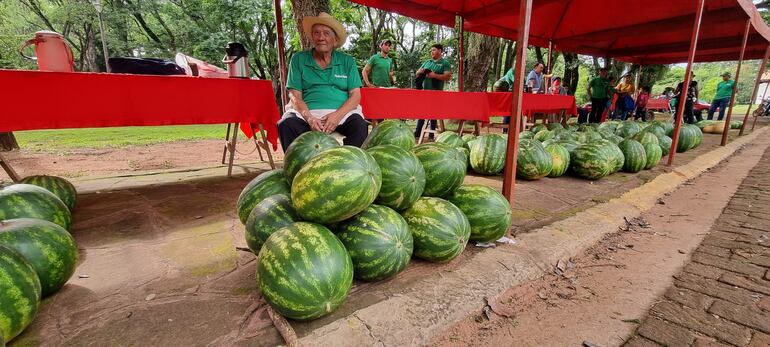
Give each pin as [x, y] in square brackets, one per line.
[601, 296]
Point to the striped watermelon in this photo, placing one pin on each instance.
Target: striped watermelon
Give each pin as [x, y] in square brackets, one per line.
[336, 185]
[618, 157]
[29, 201]
[559, 159]
[526, 135]
[544, 135]
[665, 144]
[266, 184]
[554, 126]
[304, 148]
[688, 138]
[466, 156]
[569, 145]
[390, 132]
[487, 156]
[19, 293]
[444, 168]
[592, 161]
[698, 135]
[468, 138]
[451, 138]
[304, 271]
[269, 215]
[60, 187]
[440, 229]
[635, 157]
[49, 248]
[488, 212]
[656, 129]
[653, 153]
[627, 129]
[645, 137]
[537, 128]
[403, 178]
[533, 161]
[379, 243]
[736, 124]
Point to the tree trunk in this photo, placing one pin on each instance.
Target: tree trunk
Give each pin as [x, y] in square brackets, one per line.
[88, 52]
[481, 54]
[571, 72]
[508, 56]
[302, 8]
[8, 142]
[498, 60]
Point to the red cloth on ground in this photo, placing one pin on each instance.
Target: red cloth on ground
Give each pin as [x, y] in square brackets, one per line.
[500, 104]
[55, 100]
[423, 104]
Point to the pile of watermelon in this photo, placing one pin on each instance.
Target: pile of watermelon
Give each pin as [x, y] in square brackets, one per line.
[37, 253]
[335, 213]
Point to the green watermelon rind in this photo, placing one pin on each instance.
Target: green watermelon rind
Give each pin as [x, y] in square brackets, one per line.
[59, 186]
[20, 293]
[488, 212]
[265, 184]
[533, 162]
[487, 156]
[440, 229]
[559, 159]
[403, 177]
[390, 132]
[444, 168]
[653, 153]
[270, 214]
[30, 201]
[304, 148]
[634, 155]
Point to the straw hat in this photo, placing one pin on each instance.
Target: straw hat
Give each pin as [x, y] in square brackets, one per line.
[327, 20]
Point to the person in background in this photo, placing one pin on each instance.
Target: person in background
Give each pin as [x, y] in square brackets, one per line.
[324, 87]
[556, 87]
[378, 71]
[641, 104]
[535, 78]
[723, 96]
[690, 96]
[598, 89]
[624, 90]
[436, 71]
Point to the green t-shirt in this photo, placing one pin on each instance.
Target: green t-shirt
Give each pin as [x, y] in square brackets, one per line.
[724, 89]
[438, 67]
[599, 87]
[381, 67]
[323, 88]
[509, 77]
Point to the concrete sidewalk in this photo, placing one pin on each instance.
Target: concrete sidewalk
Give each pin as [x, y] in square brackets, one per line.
[722, 296]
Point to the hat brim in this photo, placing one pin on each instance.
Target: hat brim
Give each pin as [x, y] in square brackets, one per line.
[339, 29]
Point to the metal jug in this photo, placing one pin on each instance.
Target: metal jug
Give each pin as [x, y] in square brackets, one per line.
[236, 59]
[51, 52]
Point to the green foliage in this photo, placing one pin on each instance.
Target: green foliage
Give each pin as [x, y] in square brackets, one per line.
[708, 76]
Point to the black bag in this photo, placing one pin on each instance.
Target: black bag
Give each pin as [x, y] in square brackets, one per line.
[144, 66]
[418, 81]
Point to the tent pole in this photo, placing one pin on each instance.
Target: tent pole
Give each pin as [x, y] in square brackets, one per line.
[637, 79]
[461, 68]
[281, 52]
[509, 176]
[735, 86]
[686, 83]
[549, 70]
[756, 89]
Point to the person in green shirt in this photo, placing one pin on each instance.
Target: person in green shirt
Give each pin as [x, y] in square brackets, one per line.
[723, 96]
[433, 73]
[324, 87]
[378, 71]
[598, 91]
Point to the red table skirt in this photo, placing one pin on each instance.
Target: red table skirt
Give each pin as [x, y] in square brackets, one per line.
[500, 104]
[54, 100]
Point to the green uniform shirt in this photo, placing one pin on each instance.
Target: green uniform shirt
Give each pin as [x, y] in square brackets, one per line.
[323, 88]
[724, 89]
[381, 67]
[599, 88]
[438, 67]
[509, 77]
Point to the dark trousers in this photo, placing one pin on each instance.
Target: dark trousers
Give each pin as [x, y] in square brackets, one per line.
[597, 109]
[582, 115]
[641, 113]
[420, 124]
[355, 129]
[720, 104]
[688, 115]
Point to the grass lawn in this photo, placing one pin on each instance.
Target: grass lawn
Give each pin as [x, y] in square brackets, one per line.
[47, 140]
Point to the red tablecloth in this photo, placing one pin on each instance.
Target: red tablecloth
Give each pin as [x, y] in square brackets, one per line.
[54, 100]
[380, 103]
[500, 104]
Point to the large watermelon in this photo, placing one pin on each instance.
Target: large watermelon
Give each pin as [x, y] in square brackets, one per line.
[544, 135]
[736, 124]
[488, 212]
[618, 157]
[304, 271]
[628, 129]
[60, 187]
[49, 248]
[336, 185]
[533, 161]
[487, 156]
[390, 132]
[665, 144]
[559, 159]
[403, 178]
[304, 148]
[19, 293]
[635, 157]
[653, 153]
[656, 129]
[466, 154]
[451, 138]
[698, 135]
[440, 229]
[379, 242]
[537, 128]
[266, 184]
[468, 138]
[269, 215]
[569, 145]
[687, 138]
[526, 135]
[592, 161]
[444, 168]
[645, 137]
[554, 126]
[29, 201]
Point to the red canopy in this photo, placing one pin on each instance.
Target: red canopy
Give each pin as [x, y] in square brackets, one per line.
[644, 32]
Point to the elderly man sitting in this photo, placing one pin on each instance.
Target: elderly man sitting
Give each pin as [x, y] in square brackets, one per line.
[324, 87]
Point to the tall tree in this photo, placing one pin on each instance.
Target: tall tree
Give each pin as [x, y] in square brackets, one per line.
[571, 72]
[303, 8]
[482, 50]
[8, 142]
